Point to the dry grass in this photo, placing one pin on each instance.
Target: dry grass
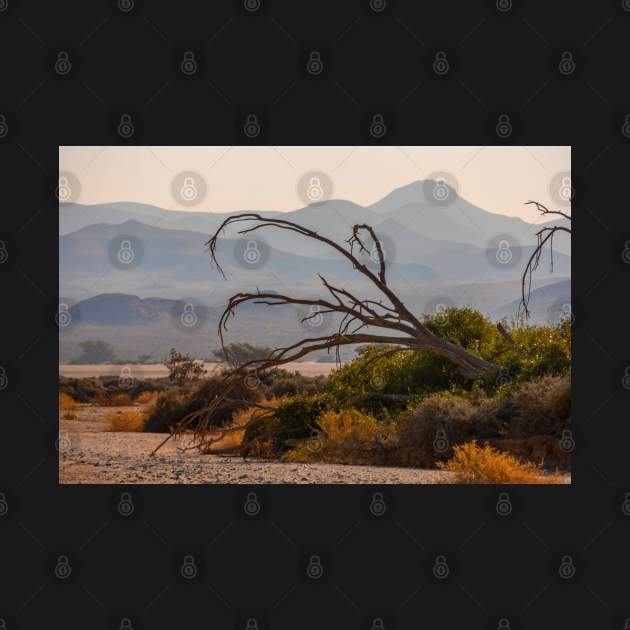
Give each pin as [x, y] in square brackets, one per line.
[70, 415]
[346, 437]
[483, 464]
[112, 400]
[147, 398]
[66, 402]
[235, 429]
[128, 420]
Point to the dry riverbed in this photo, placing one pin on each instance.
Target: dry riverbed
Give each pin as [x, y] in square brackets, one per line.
[89, 453]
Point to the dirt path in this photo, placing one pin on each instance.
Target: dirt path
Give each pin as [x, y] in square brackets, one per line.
[88, 453]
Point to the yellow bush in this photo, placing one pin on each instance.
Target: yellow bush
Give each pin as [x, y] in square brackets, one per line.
[236, 428]
[128, 420]
[70, 415]
[67, 402]
[147, 398]
[483, 464]
[346, 437]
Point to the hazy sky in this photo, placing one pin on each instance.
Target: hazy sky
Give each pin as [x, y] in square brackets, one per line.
[498, 179]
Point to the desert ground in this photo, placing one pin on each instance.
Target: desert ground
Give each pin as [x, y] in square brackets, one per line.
[90, 453]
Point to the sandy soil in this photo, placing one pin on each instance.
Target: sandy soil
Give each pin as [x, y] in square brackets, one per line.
[88, 453]
[307, 368]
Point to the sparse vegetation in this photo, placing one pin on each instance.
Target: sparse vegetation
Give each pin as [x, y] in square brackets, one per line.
[126, 420]
[472, 463]
[94, 351]
[183, 368]
[235, 354]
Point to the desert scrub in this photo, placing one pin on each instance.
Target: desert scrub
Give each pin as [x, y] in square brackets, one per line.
[541, 407]
[294, 419]
[126, 420]
[66, 402]
[428, 434]
[146, 398]
[175, 403]
[345, 437]
[472, 463]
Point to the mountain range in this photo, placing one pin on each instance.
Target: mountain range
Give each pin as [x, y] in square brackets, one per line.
[434, 253]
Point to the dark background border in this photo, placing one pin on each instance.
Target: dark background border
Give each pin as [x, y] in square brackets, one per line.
[374, 62]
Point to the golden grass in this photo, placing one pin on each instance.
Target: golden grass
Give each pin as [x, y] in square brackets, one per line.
[67, 402]
[147, 398]
[472, 463]
[128, 420]
[113, 400]
[70, 415]
[346, 437]
[240, 420]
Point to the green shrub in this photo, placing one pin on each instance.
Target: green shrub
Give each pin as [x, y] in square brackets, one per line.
[294, 419]
[173, 404]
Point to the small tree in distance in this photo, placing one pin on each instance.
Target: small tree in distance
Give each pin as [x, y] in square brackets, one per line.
[182, 368]
[236, 354]
[94, 351]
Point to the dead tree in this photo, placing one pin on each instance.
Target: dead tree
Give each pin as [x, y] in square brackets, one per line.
[544, 236]
[385, 320]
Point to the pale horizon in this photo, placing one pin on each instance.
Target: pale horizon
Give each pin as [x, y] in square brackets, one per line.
[497, 179]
